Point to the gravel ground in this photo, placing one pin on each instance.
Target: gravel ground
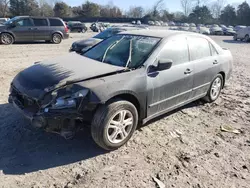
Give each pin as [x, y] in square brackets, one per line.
[185, 148]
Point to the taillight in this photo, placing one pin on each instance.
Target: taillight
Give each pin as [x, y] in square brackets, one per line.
[66, 28]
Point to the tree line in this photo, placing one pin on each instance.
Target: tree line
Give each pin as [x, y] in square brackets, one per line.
[193, 11]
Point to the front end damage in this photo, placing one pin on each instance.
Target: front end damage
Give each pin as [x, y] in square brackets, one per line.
[60, 111]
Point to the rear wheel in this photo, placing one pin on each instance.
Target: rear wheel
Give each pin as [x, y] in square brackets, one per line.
[215, 89]
[246, 39]
[114, 124]
[235, 37]
[6, 39]
[56, 38]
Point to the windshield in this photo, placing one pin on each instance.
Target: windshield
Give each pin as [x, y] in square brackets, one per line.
[11, 21]
[105, 34]
[123, 50]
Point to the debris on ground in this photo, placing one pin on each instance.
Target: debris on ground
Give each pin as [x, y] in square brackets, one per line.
[159, 183]
[227, 128]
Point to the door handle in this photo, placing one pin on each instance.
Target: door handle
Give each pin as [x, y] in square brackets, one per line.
[188, 71]
[215, 62]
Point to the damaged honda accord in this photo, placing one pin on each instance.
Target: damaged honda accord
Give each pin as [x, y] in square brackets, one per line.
[125, 80]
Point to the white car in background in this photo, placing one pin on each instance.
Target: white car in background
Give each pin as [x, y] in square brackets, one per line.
[242, 34]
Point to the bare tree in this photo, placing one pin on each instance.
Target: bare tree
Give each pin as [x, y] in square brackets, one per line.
[187, 6]
[135, 12]
[4, 7]
[158, 7]
[217, 7]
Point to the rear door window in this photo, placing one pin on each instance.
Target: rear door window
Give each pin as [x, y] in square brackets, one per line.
[55, 22]
[176, 50]
[199, 48]
[40, 22]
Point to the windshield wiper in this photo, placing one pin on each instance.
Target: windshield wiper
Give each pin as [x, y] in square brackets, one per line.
[110, 47]
[130, 53]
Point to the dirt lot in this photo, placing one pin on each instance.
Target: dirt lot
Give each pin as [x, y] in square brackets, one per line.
[185, 148]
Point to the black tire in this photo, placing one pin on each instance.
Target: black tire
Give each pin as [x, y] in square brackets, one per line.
[209, 97]
[246, 39]
[6, 39]
[48, 41]
[102, 117]
[56, 38]
[235, 37]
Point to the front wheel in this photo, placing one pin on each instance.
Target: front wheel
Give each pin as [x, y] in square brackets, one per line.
[215, 89]
[246, 39]
[114, 124]
[56, 38]
[6, 38]
[235, 37]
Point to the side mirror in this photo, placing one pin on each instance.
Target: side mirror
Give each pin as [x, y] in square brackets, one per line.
[13, 24]
[164, 64]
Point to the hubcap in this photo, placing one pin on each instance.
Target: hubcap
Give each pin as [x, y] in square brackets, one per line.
[120, 126]
[6, 39]
[216, 87]
[56, 38]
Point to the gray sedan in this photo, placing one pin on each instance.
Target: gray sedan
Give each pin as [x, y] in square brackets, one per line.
[127, 79]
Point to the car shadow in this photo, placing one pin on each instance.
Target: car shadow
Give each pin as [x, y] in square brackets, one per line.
[233, 41]
[31, 42]
[24, 149]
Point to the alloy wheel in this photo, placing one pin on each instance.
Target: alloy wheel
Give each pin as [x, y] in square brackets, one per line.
[216, 88]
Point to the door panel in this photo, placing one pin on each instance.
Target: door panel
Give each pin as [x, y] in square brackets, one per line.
[41, 29]
[23, 30]
[205, 61]
[171, 87]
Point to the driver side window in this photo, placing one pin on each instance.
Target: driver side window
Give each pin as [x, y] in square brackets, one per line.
[176, 50]
[24, 23]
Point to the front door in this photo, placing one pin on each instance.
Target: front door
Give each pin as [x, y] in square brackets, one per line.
[23, 30]
[41, 29]
[172, 87]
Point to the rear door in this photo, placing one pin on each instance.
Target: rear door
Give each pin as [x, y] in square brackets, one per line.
[23, 30]
[172, 87]
[206, 64]
[41, 29]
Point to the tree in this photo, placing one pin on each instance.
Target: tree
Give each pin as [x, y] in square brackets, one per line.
[110, 11]
[61, 9]
[76, 11]
[228, 15]
[4, 7]
[217, 7]
[157, 8]
[200, 15]
[24, 7]
[243, 13]
[90, 9]
[135, 12]
[45, 8]
[186, 6]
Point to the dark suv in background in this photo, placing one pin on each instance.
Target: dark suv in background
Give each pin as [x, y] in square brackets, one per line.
[26, 28]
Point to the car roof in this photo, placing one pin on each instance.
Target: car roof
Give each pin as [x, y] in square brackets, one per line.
[125, 27]
[159, 33]
[38, 17]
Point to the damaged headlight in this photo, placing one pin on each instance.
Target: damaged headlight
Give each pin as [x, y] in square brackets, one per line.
[68, 101]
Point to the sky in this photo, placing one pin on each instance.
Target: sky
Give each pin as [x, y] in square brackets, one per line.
[171, 5]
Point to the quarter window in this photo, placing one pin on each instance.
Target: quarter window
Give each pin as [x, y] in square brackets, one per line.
[24, 23]
[40, 22]
[176, 50]
[199, 48]
[55, 22]
[213, 50]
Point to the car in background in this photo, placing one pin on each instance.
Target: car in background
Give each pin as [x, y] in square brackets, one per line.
[243, 34]
[81, 45]
[138, 22]
[157, 23]
[151, 23]
[171, 23]
[3, 20]
[239, 27]
[77, 26]
[29, 28]
[204, 30]
[98, 27]
[229, 31]
[216, 30]
[126, 80]
[133, 22]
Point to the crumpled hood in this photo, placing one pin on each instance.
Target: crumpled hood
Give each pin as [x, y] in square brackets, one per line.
[88, 42]
[45, 76]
